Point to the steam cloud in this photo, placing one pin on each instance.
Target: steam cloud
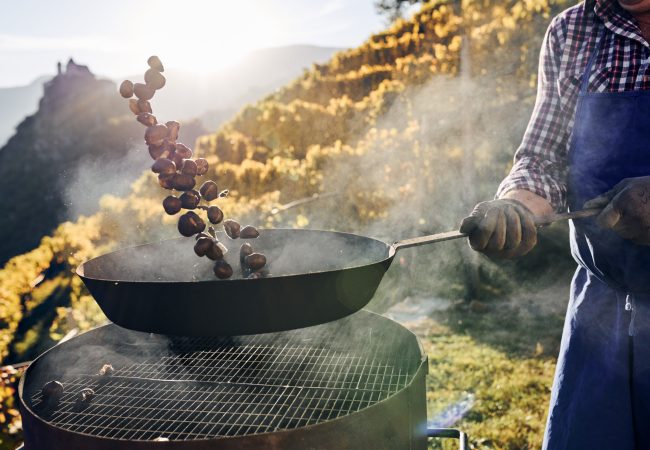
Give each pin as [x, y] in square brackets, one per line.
[289, 254]
[94, 178]
[440, 148]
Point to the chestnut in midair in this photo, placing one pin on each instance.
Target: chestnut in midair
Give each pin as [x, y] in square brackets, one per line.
[255, 261]
[222, 269]
[249, 232]
[231, 228]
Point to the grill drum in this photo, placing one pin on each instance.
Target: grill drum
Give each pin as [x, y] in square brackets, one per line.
[354, 383]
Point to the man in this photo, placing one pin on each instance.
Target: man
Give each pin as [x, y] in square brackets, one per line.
[588, 145]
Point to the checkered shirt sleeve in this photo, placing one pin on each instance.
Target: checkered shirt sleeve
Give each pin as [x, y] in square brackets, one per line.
[540, 163]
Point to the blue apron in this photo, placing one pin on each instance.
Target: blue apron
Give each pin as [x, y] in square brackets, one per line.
[601, 392]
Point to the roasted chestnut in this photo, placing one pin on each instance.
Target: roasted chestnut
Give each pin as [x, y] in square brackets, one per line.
[52, 390]
[231, 228]
[172, 205]
[190, 199]
[222, 269]
[154, 63]
[163, 165]
[106, 369]
[183, 182]
[245, 250]
[86, 394]
[144, 106]
[190, 223]
[202, 246]
[143, 92]
[215, 215]
[147, 119]
[126, 89]
[166, 180]
[255, 261]
[209, 190]
[155, 134]
[189, 167]
[133, 106]
[154, 79]
[214, 252]
[201, 166]
[249, 232]
[183, 150]
[174, 128]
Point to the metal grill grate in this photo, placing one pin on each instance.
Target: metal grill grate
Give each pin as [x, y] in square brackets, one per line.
[206, 388]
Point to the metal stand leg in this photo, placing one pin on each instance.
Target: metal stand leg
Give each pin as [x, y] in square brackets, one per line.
[450, 433]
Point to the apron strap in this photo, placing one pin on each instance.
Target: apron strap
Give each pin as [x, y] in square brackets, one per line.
[599, 42]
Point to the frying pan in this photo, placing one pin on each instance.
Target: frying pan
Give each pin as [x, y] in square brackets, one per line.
[315, 277]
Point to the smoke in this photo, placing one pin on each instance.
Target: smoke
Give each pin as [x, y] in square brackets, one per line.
[347, 365]
[433, 152]
[437, 168]
[93, 178]
[289, 253]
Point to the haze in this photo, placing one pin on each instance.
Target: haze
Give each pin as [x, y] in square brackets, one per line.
[114, 38]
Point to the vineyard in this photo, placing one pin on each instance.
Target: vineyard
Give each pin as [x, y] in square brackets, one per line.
[396, 138]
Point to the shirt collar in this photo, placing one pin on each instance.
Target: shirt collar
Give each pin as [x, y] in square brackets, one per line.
[589, 5]
[615, 18]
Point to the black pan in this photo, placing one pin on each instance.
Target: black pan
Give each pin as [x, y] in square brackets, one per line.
[315, 277]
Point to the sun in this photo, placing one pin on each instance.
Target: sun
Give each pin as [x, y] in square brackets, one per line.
[204, 36]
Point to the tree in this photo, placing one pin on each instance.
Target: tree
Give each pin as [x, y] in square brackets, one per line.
[392, 9]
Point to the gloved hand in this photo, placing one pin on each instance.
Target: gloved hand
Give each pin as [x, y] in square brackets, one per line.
[503, 228]
[626, 209]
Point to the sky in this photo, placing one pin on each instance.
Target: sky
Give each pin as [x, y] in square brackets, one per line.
[115, 37]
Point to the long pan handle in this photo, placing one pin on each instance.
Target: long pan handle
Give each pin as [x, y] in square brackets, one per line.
[450, 235]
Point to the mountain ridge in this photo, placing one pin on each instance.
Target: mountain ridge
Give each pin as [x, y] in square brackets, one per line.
[16, 103]
[212, 106]
[76, 120]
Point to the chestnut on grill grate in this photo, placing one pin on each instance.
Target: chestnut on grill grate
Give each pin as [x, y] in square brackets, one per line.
[52, 390]
[106, 370]
[86, 395]
[177, 171]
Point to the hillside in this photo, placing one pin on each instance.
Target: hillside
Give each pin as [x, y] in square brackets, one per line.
[213, 97]
[403, 134]
[77, 146]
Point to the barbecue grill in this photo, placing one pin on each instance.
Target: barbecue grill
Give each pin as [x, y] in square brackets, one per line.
[356, 383]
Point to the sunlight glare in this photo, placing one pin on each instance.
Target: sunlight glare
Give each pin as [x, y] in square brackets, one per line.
[205, 36]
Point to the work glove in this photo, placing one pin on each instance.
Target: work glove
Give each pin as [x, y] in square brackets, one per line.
[626, 209]
[503, 228]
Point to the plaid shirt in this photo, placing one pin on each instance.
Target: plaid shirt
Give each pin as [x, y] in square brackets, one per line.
[623, 64]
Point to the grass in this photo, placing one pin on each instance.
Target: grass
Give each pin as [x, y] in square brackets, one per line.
[504, 357]
[511, 393]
